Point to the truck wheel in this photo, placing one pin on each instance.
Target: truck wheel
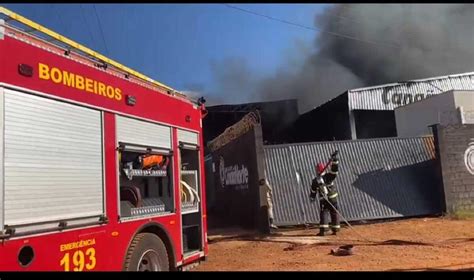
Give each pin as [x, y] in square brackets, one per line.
[147, 253]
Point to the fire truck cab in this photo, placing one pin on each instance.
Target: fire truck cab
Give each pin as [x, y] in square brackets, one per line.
[101, 167]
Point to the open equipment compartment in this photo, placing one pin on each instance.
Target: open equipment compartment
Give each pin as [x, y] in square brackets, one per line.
[145, 168]
[146, 185]
[190, 192]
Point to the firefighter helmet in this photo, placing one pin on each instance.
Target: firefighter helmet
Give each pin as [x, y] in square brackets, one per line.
[320, 167]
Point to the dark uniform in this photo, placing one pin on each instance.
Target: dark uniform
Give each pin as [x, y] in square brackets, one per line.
[323, 185]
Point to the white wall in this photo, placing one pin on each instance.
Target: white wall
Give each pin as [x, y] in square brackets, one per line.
[464, 99]
[413, 119]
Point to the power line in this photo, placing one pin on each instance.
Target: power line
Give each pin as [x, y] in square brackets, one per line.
[100, 28]
[58, 12]
[312, 28]
[86, 23]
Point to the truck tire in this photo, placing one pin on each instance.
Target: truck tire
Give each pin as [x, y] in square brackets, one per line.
[147, 252]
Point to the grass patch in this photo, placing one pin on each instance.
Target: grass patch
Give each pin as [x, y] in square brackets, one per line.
[463, 215]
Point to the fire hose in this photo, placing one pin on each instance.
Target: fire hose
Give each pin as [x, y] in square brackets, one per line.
[347, 222]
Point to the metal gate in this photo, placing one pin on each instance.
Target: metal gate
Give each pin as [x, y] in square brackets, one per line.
[378, 178]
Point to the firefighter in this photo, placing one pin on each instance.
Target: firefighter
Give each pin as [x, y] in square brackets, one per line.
[323, 185]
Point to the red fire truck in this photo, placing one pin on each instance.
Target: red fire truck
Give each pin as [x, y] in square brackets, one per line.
[101, 166]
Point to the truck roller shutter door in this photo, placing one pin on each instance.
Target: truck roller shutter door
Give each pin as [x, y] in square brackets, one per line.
[53, 160]
[188, 137]
[144, 133]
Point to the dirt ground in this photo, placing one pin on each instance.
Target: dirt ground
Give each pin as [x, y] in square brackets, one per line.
[414, 244]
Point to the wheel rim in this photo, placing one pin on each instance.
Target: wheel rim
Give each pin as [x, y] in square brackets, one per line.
[149, 261]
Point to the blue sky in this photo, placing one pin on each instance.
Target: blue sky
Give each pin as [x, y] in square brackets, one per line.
[176, 43]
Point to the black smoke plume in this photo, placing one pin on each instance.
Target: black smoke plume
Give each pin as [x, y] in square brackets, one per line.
[390, 43]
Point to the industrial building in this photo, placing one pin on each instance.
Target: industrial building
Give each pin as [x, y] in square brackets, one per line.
[369, 112]
[451, 107]
[360, 113]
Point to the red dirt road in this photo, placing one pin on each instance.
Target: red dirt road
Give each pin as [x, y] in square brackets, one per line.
[415, 244]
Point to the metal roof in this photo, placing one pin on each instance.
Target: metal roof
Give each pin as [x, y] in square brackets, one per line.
[378, 178]
[390, 96]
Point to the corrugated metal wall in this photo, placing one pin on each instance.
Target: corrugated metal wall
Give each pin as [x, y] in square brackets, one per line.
[379, 178]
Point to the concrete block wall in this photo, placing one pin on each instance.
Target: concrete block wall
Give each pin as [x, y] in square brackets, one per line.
[456, 146]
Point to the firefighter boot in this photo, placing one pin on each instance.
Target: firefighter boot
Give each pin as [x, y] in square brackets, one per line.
[272, 225]
[321, 232]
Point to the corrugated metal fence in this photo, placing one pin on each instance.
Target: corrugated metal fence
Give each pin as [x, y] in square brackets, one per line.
[378, 178]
